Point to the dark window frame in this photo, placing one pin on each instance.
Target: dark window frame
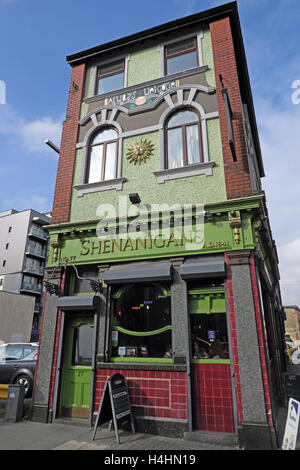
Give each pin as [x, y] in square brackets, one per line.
[184, 140]
[184, 51]
[105, 143]
[100, 75]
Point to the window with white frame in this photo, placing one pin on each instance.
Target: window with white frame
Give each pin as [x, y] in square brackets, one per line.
[183, 139]
[102, 161]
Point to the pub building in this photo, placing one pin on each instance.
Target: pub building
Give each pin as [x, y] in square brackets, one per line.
[162, 266]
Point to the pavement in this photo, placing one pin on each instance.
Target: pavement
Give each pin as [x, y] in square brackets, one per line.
[28, 435]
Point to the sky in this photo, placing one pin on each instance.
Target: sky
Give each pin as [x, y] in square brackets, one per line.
[37, 35]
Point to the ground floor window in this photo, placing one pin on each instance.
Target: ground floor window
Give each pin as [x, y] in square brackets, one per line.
[208, 324]
[141, 323]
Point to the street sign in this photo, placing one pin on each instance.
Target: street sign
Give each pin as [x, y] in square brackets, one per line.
[115, 405]
[291, 427]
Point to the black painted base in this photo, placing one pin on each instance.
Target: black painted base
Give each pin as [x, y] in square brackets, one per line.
[255, 436]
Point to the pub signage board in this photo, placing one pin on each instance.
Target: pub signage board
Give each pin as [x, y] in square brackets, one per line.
[114, 405]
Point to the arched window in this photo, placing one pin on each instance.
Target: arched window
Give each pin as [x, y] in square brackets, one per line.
[183, 139]
[102, 164]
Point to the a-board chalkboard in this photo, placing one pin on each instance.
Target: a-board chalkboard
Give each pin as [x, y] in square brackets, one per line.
[114, 405]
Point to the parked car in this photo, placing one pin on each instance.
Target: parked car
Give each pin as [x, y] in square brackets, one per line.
[17, 364]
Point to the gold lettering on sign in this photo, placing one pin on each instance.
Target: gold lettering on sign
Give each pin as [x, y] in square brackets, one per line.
[86, 248]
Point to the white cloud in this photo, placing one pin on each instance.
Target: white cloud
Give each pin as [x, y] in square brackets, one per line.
[30, 135]
[33, 134]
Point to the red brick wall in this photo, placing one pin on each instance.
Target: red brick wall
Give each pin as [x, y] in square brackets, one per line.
[237, 175]
[64, 178]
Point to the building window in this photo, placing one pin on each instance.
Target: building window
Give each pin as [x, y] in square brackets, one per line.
[141, 324]
[110, 77]
[102, 163]
[9, 229]
[183, 139]
[6, 246]
[209, 335]
[82, 346]
[4, 263]
[181, 56]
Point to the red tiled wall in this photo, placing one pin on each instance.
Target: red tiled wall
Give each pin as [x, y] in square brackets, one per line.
[161, 394]
[237, 177]
[212, 397]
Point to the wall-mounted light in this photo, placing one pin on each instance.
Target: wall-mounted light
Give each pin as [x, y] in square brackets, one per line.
[134, 198]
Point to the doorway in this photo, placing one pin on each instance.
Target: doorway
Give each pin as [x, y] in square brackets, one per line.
[77, 365]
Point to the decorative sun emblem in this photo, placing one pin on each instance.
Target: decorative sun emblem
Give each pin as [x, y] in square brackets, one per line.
[140, 151]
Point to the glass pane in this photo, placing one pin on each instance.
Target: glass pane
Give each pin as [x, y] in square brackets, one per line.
[209, 336]
[180, 46]
[95, 169]
[104, 135]
[82, 346]
[182, 62]
[13, 352]
[110, 161]
[110, 83]
[144, 310]
[192, 142]
[182, 117]
[175, 154]
[111, 68]
[27, 351]
[156, 346]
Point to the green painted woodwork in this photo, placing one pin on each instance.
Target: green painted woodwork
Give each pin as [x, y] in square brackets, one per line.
[141, 359]
[206, 301]
[76, 380]
[142, 333]
[84, 247]
[143, 66]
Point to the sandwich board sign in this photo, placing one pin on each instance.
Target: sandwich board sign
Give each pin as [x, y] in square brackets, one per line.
[114, 405]
[291, 427]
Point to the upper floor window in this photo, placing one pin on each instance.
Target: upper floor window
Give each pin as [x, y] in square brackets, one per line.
[103, 156]
[183, 139]
[181, 56]
[110, 77]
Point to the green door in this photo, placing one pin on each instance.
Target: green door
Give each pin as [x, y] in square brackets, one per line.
[76, 366]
